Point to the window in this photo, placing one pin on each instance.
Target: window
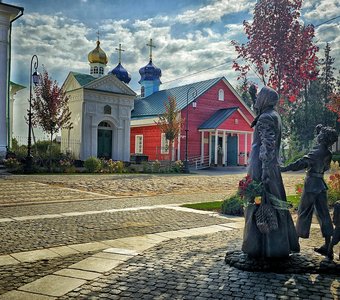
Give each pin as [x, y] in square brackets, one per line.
[101, 70]
[139, 144]
[107, 110]
[91, 71]
[164, 144]
[95, 70]
[142, 91]
[221, 95]
[104, 124]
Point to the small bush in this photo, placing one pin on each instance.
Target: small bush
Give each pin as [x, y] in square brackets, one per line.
[177, 167]
[294, 200]
[67, 165]
[110, 166]
[333, 188]
[12, 164]
[233, 206]
[156, 166]
[92, 164]
[147, 168]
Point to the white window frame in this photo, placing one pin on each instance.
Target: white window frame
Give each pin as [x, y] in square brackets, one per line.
[139, 144]
[221, 95]
[164, 144]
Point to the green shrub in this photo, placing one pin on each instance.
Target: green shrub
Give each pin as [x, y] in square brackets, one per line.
[111, 166]
[147, 168]
[333, 188]
[177, 167]
[156, 166]
[294, 200]
[12, 164]
[233, 206]
[66, 165]
[92, 164]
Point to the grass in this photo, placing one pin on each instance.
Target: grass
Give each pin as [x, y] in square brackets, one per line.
[294, 200]
[209, 206]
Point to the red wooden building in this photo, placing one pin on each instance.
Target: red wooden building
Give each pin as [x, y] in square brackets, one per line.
[219, 131]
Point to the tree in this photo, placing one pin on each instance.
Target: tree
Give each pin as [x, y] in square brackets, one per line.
[316, 104]
[50, 107]
[328, 81]
[169, 122]
[243, 90]
[334, 100]
[279, 48]
[305, 113]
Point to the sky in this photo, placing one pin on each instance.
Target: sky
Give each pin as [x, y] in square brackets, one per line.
[189, 35]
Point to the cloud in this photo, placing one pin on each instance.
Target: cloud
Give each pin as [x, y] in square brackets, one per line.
[321, 10]
[329, 33]
[60, 44]
[215, 11]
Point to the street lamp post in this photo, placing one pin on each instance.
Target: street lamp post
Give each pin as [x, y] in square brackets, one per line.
[193, 92]
[35, 77]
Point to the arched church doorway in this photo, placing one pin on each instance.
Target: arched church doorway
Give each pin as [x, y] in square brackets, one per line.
[104, 140]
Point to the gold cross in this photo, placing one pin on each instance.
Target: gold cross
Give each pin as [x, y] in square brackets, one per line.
[151, 46]
[120, 50]
[98, 34]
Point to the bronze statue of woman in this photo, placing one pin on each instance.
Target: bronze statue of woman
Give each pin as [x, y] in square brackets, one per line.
[264, 167]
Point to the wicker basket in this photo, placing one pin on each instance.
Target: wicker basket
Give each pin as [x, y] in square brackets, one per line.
[265, 216]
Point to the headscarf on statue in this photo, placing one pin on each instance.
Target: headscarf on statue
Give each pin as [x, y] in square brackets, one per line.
[266, 99]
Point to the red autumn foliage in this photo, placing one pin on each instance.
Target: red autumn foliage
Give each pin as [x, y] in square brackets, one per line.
[334, 104]
[50, 106]
[279, 48]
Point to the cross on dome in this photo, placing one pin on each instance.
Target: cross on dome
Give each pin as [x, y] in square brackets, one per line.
[120, 50]
[151, 46]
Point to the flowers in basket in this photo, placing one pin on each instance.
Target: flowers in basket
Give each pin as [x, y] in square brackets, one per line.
[250, 190]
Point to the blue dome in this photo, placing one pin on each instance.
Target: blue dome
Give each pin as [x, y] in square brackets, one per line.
[150, 72]
[121, 73]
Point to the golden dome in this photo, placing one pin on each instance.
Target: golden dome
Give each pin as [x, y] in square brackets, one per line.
[97, 55]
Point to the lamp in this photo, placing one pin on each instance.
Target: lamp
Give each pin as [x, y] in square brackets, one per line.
[35, 77]
[193, 92]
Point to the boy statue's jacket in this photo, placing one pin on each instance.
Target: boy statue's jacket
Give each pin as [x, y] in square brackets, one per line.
[317, 161]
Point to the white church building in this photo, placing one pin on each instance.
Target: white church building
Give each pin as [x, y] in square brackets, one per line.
[8, 14]
[100, 108]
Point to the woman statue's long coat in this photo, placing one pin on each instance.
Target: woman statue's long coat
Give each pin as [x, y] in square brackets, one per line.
[264, 160]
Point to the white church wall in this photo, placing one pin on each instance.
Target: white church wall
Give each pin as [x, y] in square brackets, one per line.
[71, 139]
[119, 119]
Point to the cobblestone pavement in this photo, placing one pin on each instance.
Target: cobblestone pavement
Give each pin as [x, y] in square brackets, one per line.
[104, 204]
[71, 210]
[103, 186]
[16, 236]
[13, 277]
[194, 268]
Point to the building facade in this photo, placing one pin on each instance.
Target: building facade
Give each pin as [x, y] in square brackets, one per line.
[100, 108]
[8, 14]
[218, 121]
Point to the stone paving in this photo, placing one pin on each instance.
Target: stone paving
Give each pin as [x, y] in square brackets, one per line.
[25, 235]
[194, 268]
[85, 239]
[135, 185]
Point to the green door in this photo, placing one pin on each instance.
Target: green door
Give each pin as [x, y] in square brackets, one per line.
[232, 150]
[104, 143]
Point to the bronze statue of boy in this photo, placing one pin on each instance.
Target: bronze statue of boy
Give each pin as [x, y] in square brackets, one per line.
[314, 195]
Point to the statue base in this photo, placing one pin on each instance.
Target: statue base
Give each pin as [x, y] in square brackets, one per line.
[297, 263]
